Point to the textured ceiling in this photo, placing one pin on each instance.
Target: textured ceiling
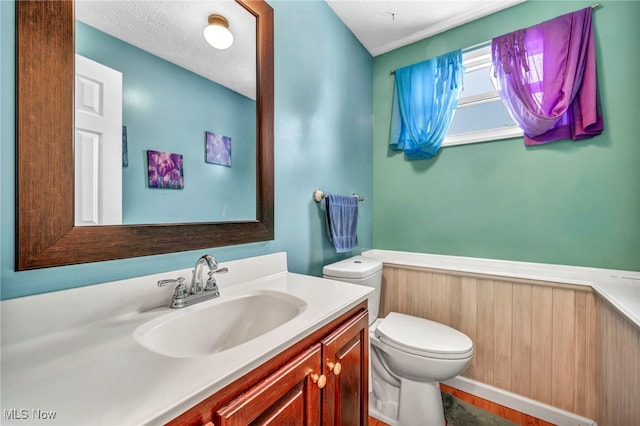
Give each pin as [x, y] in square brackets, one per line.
[382, 26]
[172, 30]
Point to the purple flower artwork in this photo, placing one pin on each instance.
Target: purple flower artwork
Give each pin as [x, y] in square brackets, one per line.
[218, 149]
[165, 170]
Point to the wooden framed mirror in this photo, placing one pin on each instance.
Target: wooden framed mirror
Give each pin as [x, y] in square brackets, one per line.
[45, 231]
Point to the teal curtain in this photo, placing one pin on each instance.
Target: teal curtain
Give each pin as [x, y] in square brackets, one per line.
[424, 103]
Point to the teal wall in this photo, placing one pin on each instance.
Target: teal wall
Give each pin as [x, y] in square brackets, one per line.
[323, 134]
[575, 203]
[167, 108]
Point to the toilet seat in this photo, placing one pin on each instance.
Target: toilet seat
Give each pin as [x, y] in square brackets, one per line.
[422, 337]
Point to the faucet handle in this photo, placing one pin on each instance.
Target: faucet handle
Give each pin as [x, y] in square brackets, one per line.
[179, 294]
[212, 286]
[211, 281]
[179, 280]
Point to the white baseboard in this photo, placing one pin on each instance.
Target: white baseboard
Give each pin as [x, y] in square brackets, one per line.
[519, 403]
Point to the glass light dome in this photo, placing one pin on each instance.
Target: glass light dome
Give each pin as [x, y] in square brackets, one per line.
[217, 32]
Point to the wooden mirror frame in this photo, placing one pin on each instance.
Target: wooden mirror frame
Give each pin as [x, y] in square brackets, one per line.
[45, 233]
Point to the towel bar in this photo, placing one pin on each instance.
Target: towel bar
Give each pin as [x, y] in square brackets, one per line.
[319, 195]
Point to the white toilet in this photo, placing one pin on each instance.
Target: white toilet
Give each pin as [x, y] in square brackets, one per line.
[408, 356]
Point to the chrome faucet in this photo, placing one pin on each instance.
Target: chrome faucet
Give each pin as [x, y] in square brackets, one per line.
[198, 292]
[197, 278]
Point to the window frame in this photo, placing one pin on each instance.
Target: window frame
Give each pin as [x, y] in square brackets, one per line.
[473, 59]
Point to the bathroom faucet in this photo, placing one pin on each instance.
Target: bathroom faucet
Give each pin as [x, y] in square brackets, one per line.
[197, 281]
[198, 292]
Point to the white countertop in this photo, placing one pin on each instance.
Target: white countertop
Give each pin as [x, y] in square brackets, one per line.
[620, 288]
[73, 352]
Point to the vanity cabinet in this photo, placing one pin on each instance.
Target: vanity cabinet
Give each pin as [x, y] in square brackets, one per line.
[322, 379]
[346, 366]
[291, 395]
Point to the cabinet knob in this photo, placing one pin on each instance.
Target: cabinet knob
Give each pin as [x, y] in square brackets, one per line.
[335, 367]
[320, 380]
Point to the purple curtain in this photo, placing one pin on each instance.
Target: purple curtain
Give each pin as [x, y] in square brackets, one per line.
[546, 77]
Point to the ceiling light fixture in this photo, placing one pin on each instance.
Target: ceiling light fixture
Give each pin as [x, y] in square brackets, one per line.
[217, 32]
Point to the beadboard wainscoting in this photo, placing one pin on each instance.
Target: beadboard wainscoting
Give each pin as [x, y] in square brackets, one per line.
[620, 373]
[551, 342]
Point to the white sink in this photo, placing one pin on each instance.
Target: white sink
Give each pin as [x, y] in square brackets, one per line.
[217, 325]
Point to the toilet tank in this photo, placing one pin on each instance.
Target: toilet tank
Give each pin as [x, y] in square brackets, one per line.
[359, 270]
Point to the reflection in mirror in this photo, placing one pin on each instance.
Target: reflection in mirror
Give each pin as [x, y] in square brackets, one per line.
[163, 88]
[45, 232]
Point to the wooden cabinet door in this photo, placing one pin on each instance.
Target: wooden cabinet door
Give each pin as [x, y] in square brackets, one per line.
[346, 366]
[289, 396]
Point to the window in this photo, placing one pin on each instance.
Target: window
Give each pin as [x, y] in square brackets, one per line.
[480, 115]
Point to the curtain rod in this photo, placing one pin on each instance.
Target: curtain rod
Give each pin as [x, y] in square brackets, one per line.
[593, 7]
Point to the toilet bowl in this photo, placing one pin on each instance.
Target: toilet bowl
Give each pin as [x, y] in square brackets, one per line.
[408, 355]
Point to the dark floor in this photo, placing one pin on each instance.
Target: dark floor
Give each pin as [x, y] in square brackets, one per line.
[460, 413]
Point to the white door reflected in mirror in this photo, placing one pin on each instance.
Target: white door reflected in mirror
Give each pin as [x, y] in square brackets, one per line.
[98, 144]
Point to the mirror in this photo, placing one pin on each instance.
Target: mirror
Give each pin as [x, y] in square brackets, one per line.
[171, 88]
[46, 235]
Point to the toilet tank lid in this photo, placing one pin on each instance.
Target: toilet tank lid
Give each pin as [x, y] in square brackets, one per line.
[353, 267]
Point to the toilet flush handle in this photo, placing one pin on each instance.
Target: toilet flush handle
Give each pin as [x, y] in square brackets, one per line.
[336, 368]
